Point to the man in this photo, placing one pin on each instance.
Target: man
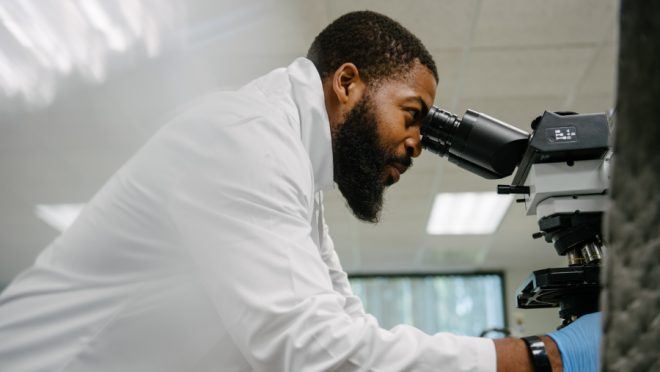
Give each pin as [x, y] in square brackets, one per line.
[208, 250]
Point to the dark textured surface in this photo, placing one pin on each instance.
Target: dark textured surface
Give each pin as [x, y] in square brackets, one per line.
[631, 299]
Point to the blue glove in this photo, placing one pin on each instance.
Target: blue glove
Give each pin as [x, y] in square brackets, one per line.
[579, 343]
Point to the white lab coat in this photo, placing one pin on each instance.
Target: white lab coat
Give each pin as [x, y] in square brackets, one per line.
[208, 251]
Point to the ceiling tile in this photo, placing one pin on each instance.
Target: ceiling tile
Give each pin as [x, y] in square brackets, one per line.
[524, 72]
[439, 24]
[264, 27]
[542, 22]
[594, 103]
[518, 111]
[448, 64]
[601, 76]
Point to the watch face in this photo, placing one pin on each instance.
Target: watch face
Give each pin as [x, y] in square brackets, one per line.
[538, 354]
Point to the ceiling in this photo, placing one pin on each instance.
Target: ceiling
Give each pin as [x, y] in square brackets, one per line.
[511, 59]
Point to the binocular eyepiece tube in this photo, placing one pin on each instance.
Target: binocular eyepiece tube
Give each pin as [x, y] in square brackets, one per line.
[478, 143]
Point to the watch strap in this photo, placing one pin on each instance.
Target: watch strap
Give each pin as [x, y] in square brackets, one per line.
[538, 354]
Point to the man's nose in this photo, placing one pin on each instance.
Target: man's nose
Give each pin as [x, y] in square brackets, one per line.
[414, 144]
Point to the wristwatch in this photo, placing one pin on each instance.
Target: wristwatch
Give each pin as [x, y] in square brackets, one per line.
[536, 347]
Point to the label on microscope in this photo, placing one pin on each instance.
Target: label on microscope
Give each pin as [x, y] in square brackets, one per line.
[561, 134]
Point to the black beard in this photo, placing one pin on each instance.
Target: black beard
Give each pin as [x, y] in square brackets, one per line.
[359, 162]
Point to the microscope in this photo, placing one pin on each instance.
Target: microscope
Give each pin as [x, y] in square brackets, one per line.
[562, 177]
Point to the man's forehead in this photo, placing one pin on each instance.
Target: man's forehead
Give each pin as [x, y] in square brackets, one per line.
[423, 82]
[418, 85]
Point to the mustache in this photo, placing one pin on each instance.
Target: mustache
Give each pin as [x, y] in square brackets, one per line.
[406, 161]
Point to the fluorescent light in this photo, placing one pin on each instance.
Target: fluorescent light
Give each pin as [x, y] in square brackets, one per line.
[466, 213]
[59, 216]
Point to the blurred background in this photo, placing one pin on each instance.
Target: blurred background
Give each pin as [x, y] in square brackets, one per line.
[84, 83]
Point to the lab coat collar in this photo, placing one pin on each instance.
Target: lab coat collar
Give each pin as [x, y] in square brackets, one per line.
[308, 95]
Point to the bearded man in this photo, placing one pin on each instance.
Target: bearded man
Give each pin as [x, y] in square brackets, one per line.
[208, 250]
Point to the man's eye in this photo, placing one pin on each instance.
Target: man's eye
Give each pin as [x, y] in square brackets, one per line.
[414, 114]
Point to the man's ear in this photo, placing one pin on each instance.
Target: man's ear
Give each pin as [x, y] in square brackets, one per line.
[347, 85]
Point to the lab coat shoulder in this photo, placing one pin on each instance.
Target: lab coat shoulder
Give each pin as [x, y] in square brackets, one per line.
[241, 144]
[243, 200]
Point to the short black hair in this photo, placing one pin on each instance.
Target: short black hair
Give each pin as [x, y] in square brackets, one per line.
[379, 47]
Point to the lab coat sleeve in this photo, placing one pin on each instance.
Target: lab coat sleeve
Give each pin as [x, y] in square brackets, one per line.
[241, 210]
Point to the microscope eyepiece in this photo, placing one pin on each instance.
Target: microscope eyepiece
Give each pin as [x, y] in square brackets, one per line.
[438, 127]
[478, 143]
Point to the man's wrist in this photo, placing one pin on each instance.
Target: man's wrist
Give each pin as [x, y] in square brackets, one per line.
[553, 353]
[512, 355]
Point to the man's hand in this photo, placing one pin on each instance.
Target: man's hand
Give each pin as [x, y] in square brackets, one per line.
[579, 343]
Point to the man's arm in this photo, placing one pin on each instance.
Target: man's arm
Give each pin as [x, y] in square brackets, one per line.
[573, 348]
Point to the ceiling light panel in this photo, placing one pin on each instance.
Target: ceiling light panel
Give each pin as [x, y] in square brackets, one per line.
[467, 213]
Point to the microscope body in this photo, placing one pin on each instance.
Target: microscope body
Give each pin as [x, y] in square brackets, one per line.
[565, 173]
[562, 177]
